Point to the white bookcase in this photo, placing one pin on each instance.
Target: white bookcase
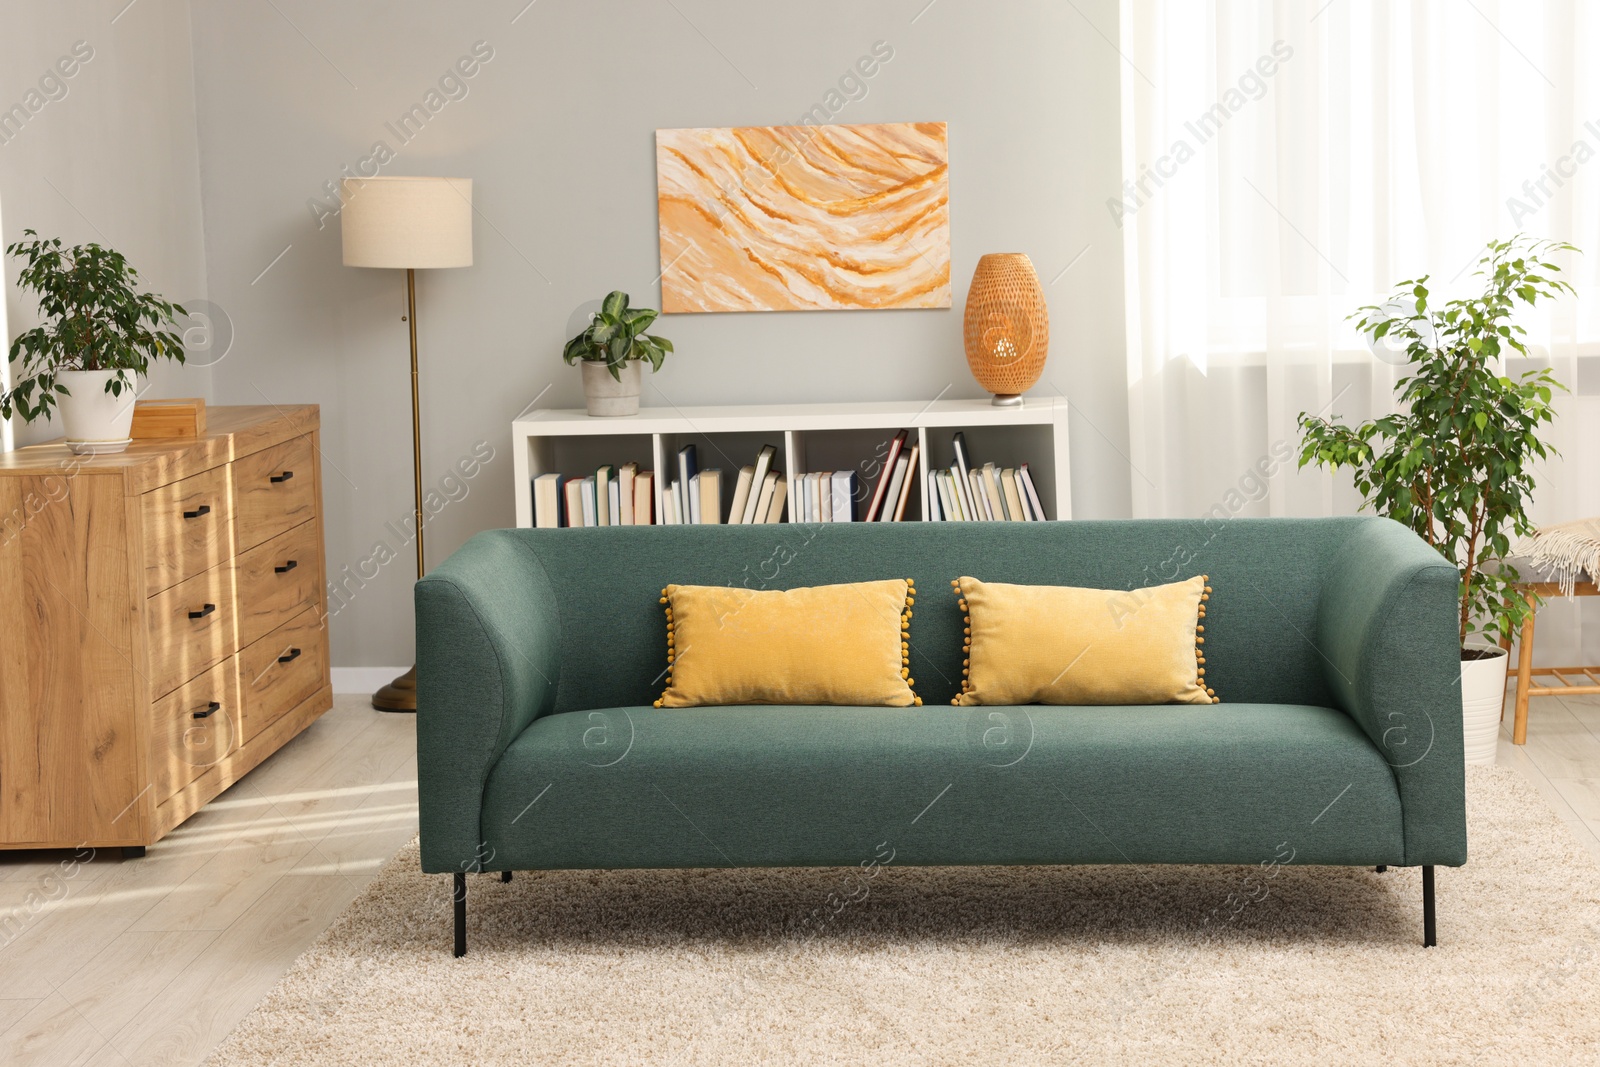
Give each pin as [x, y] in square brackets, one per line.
[809, 437]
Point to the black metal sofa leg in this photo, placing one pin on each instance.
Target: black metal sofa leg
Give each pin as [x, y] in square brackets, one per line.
[1430, 935]
[1380, 868]
[460, 897]
[505, 876]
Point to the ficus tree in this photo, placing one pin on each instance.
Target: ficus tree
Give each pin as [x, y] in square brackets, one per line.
[1455, 463]
[616, 334]
[94, 319]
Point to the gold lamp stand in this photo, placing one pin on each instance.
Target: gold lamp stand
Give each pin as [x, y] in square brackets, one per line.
[401, 694]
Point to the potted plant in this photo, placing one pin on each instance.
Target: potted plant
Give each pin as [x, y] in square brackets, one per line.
[1455, 463]
[611, 349]
[99, 334]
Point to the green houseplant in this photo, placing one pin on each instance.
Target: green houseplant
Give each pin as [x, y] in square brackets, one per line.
[1455, 463]
[613, 346]
[99, 333]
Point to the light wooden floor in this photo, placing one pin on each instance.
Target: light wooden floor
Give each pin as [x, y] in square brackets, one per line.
[152, 961]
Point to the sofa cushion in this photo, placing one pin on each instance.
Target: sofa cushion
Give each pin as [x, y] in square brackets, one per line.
[823, 644]
[1054, 644]
[781, 786]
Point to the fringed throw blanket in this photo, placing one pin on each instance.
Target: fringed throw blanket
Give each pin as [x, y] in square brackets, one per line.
[1571, 550]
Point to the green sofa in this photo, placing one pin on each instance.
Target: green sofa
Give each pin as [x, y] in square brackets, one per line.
[1331, 643]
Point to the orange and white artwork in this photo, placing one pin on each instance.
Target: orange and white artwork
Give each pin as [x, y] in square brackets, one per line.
[788, 218]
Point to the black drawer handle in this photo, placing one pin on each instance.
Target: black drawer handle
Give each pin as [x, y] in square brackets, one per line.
[285, 476]
[294, 653]
[287, 567]
[203, 612]
[211, 709]
[203, 509]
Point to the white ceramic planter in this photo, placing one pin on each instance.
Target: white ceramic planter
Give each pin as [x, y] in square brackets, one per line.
[1483, 691]
[605, 395]
[94, 421]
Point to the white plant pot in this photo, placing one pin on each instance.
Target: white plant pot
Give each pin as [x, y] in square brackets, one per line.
[605, 395]
[95, 422]
[1483, 692]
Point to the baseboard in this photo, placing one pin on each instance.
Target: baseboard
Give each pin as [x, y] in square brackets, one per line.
[364, 679]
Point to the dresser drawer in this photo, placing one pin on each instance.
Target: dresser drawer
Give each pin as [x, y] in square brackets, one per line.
[194, 727]
[280, 670]
[192, 628]
[277, 580]
[188, 528]
[273, 490]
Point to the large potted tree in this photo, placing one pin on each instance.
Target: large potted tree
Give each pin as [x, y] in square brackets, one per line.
[1455, 462]
[98, 335]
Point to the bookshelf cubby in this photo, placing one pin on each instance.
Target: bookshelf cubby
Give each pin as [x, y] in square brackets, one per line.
[808, 437]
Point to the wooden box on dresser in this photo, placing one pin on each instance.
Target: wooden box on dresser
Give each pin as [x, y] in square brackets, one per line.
[162, 624]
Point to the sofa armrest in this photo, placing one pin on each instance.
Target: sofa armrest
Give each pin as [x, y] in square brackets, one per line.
[1387, 631]
[488, 638]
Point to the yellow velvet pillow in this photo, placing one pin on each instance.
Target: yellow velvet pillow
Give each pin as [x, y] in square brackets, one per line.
[1043, 644]
[825, 644]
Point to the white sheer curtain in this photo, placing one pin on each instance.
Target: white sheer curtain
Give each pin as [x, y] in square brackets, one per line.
[1288, 162]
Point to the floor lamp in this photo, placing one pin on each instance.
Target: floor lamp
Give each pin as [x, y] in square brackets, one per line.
[407, 224]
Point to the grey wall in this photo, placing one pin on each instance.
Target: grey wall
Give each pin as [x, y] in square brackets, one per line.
[108, 154]
[557, 132]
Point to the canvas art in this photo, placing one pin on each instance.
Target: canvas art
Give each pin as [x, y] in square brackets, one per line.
[788, 218]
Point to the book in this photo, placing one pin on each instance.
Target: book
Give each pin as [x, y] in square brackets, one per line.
[691, 502]
[844, 495]
[951, 497]
[929, 486]
[708, 502]
[602, 494]
[941, 482]
[1026, 481]
[1008, 488]
[961, 485]
[892, 496]
[573, 491]
[590, 507]
[741, 494]
[779, 492]
[627, 476]
[980, 499]
[547, 501]
[752, 509]
[688, 467]
[992, 492]
[615, 503]
[906, 484]
[763, 501]
[824, 496]
[874, 509]
[963, 461]
[644, 498]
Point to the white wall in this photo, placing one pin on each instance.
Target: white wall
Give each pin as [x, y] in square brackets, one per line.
[108, 154]
[557, 132]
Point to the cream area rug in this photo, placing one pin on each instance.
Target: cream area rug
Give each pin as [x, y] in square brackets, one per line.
[1013, 965]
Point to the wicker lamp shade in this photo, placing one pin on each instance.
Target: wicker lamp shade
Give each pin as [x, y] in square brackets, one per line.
[1007, 326]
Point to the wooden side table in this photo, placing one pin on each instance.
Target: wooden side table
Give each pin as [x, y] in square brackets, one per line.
[1526, 672]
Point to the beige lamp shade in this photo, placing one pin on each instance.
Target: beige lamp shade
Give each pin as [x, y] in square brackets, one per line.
[418, 223]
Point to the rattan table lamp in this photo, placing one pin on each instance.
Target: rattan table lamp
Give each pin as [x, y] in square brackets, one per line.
[1006, 326]
[407, 224]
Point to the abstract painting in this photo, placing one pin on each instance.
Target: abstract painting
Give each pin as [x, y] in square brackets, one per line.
[787, 218]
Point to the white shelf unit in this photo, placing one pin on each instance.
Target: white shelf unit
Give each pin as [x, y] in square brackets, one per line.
[809, 437]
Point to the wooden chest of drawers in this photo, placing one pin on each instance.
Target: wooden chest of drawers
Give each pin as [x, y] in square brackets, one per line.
[162, 624]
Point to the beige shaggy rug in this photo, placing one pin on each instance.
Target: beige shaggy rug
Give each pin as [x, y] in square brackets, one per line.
[966, 965]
